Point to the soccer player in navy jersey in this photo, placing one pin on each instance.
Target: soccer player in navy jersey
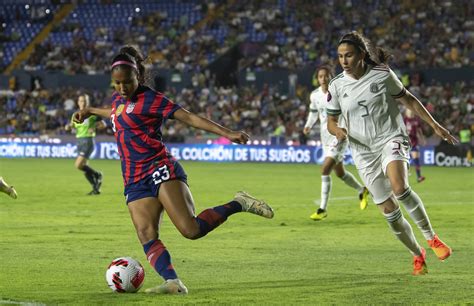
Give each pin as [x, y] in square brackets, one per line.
[154, 181]
[415, 133]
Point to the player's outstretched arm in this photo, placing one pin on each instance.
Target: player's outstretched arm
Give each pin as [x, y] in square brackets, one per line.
[85, 113]
[411, 102]
[210, 126]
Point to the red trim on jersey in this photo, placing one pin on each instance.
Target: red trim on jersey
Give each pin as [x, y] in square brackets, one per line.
[130, 122]
[155, 105]
[168, 108]
[139, 104]
[126, 156]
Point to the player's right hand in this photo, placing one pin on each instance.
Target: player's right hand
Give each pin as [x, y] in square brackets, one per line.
[80, 116]
[341, 134]
[306, 130]
[239, 137]
[445, 134]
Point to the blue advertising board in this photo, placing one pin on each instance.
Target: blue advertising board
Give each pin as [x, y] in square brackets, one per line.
[192, 152]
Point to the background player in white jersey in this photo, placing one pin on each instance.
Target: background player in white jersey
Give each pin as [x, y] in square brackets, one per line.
[333, 151]
[366, 95]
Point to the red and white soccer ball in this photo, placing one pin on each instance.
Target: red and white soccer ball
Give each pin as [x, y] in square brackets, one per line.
[125, 274]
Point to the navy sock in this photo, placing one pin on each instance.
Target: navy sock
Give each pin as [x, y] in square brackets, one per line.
[159, 258]
[89, 170]
[211, 218]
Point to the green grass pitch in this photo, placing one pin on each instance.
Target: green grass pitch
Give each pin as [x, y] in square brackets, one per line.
[56, 242]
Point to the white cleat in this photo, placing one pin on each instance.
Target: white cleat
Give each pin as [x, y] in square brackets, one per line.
[4, 187]
[170, 286]
[253, 205]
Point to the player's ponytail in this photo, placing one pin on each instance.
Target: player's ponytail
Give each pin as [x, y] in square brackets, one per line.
[131, 57]
[373, 55]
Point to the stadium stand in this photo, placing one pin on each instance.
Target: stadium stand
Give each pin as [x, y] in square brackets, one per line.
[188, 36]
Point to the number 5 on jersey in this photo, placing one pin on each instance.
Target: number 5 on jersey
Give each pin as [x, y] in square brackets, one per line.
[366, 109]
[161, 175]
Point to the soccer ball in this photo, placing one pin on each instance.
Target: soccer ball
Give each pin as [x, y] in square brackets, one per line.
[125, 274]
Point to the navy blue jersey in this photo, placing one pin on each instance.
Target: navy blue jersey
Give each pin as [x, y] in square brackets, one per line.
[137, 126]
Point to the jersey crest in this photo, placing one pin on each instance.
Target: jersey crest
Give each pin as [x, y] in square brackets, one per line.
[119, 110]
[374, 88]
[130, 108]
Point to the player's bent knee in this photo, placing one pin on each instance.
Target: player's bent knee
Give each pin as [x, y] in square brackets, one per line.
[190, 231]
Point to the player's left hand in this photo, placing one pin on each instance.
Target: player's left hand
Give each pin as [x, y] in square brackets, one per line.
[238, 137]
[445, 134]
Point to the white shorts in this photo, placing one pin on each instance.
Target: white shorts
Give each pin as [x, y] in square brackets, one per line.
[374, 175]
[335, 150]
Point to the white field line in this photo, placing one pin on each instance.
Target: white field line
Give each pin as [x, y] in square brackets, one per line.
[27, 303]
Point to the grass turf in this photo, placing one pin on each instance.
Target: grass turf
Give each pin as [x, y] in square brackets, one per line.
[56, 242]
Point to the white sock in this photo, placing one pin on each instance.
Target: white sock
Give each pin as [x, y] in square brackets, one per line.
[325, 190]
[351, 181]
[402, 229]
[415, 208]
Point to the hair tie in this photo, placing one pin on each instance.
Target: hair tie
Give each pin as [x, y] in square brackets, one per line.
[124, 63]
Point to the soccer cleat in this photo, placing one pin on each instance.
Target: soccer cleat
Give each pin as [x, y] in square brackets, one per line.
[441, 250]
[419, 264]
[170, 286]
[420, 179]
[253, 205]
[98, 181]
[94, 192]
[4, 187]
[319, 215]
[364, 198]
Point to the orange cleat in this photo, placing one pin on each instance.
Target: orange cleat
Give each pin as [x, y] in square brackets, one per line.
[440, 248]
[419, 264]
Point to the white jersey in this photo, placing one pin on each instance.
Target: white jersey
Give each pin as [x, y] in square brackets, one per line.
[317, 107]
[369, 109]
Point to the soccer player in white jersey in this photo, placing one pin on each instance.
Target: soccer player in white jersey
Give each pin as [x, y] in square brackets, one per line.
[365, 94]
[333, 151]
[5, 188]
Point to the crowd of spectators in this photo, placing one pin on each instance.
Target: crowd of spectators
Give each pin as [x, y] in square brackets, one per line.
[286, 34]
[305, 32]
[40, 111]
[262, 113]
[275, 34]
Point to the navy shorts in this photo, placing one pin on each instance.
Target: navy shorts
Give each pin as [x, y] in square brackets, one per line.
[150, 185]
